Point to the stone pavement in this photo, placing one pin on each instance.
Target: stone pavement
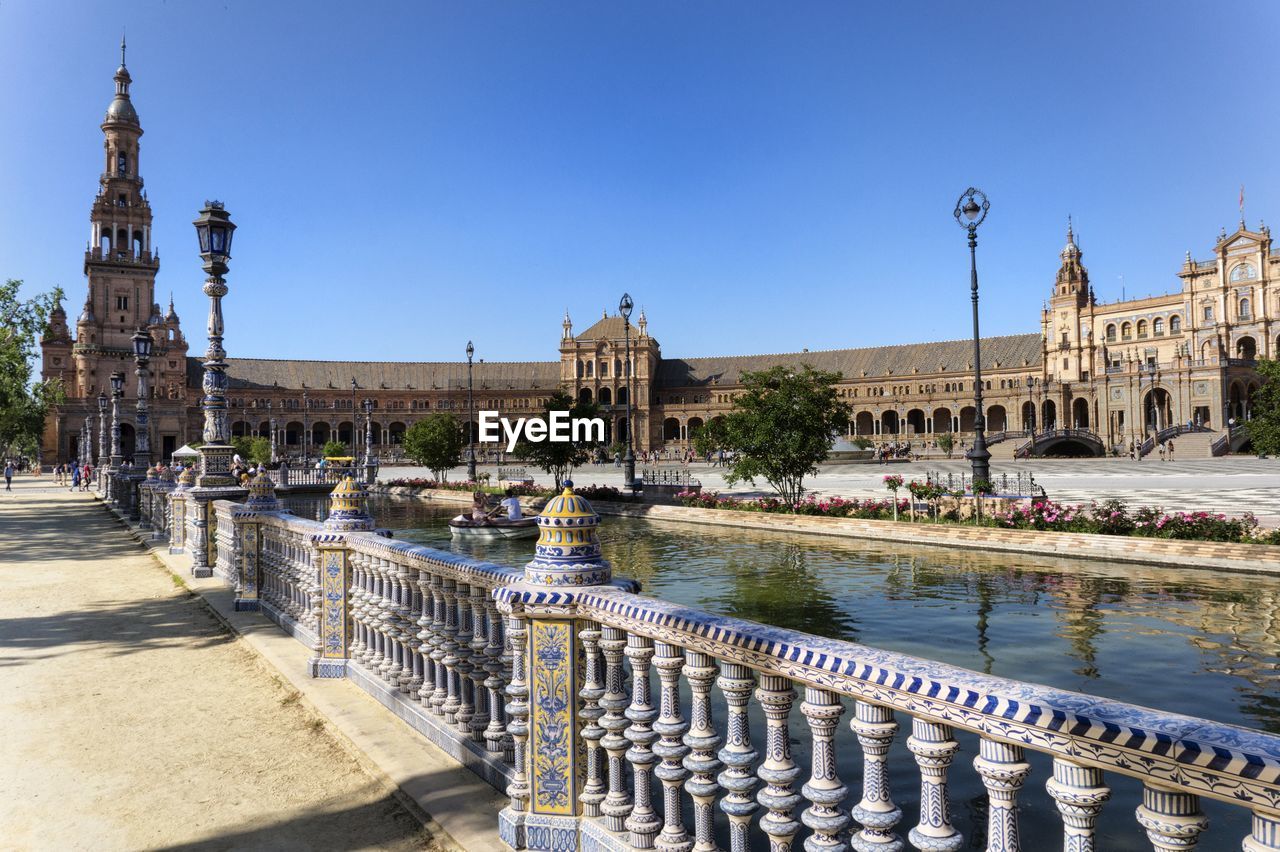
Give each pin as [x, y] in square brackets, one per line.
[1231, 485]
[133, 718]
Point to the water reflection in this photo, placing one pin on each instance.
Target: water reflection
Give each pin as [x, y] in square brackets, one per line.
[1104, 628]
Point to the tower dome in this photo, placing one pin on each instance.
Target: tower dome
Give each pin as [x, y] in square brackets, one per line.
[121, 107]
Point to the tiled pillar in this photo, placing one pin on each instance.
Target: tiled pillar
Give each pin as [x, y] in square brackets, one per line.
[347, 514]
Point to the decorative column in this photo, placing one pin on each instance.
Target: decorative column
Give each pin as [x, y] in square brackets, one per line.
[215, 481]
[1173, 819]
[142, 343]
[1003, 773]
[178, 510]
[117, 391]
[248, 532]
[738, 755]
[161, 506]
[86, 442]
[272, 427]
[347, 514]
[1079, 794]
[104, 453]
[934, 749]
[876, 729]
[546, 632]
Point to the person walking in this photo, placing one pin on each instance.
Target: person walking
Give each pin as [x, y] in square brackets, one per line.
[1170, 450]
[8, 475]
[75, 476]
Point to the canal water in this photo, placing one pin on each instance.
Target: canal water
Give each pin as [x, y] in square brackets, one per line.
[1202, 643]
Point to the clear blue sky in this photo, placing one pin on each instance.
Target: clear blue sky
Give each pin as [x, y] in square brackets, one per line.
[760, 177]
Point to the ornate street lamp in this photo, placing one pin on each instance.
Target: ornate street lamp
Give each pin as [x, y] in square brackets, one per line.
[142, 344]
[306, 427]
[355, 435]
[971, 210]
[471, 416]
[271, 424]
[86, 441]
[370, 464]
[103, 453]
[117, 391]
[215, 229]
[629, 462]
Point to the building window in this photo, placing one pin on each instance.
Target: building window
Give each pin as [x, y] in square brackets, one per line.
[1126, 331]
[1175, 324]
[1157, 327]
[1111, 333]
[1244, 309]
[1142, 328]
[122, 164]
[122, 303]
[1208, 313]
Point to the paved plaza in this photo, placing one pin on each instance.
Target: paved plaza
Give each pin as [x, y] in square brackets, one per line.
[1231, 485]
[134, 720]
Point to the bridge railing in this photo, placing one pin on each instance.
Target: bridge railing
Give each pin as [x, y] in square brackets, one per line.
[550, 693]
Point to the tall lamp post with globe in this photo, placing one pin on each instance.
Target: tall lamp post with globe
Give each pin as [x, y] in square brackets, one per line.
[629, 461]
[215, 481]
[471, 418]
[971, 210]
[104, 454]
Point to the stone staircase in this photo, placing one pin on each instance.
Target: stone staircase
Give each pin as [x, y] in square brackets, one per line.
[1192, 445]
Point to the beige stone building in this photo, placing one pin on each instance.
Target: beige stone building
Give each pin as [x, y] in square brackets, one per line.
[1096, 377]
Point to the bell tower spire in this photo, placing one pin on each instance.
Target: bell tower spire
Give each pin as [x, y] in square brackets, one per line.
[119, 264]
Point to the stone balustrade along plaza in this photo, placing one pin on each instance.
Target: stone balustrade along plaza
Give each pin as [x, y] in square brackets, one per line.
[542, 682]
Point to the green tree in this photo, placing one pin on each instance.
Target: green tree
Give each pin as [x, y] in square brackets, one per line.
[559, 458]
[780, 428]
[946, 442]
[1264, 428]
[333, 449]
[253, 448]
[436, 442]
[24, 401]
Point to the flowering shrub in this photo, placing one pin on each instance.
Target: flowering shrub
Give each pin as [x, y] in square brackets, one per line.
[1108, 518]
[893, 482]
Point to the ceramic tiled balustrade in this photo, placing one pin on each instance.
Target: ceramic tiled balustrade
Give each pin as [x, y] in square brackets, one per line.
[593, 706]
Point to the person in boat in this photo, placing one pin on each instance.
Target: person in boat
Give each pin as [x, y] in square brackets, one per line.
[479, 508]
[511, 504]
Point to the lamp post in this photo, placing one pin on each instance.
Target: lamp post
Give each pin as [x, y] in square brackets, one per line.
[971, 210]
[471, 416]
[142, 344]
[214, 229]
[629, 461]
[86, 441]
[113, 466]
[271, 424]
[370, 464]
[355, 437]
[103, 452]
[306, 427]
[117, 391]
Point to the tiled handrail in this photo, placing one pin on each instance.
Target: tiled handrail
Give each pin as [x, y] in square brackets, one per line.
[581, 749]
[1178, 758]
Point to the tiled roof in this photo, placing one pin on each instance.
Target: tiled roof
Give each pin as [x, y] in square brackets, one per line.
[381, 375]
[878, 361]
[608, 328]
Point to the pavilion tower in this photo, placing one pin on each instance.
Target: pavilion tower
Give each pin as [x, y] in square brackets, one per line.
[119, 264]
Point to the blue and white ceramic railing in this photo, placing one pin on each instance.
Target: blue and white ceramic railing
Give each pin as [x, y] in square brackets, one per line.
[617, 721]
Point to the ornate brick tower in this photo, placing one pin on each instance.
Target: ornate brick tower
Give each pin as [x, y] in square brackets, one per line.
[120, 267]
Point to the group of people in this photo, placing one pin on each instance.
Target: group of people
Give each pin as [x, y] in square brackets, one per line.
[1164, 448]
[481, 513]
[73, 474]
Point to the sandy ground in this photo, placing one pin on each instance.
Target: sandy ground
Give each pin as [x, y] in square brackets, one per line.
[131, 719]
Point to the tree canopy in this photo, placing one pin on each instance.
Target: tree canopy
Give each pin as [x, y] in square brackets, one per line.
[24, 401]
[437, 442]
[253, 448]
[559, 458]
[780, 428]
[1264, 428]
